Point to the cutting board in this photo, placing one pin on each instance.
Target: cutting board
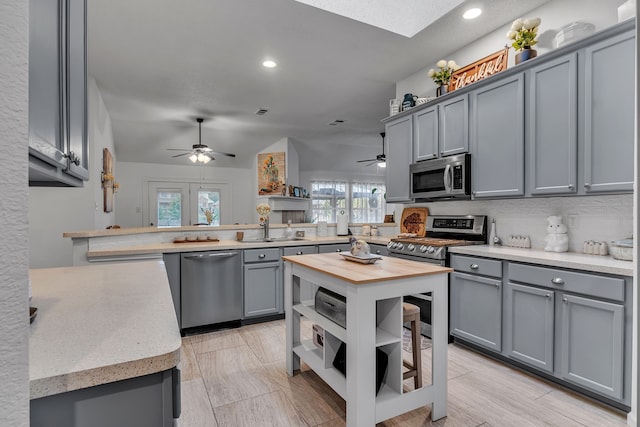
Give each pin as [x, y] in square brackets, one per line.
[414, 220]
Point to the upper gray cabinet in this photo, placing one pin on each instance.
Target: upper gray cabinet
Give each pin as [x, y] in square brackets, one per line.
[441, 130]
[552, 115]
[58, 150]
[497, 138]
[608, 91]
[399, 134]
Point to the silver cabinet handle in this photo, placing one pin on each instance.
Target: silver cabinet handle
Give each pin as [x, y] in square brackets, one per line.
[378, 252]
[497, 285]
[262, 256]
[570, 186]
[548, 296]
[557, 281]
[473, 192]
[587, 185]
[299, 253]
[564, 300]
[474, 266]
[338, 250]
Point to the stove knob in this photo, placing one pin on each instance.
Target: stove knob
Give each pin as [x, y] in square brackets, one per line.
[411, 247]
[423, 249]
[431, 249]
[391, 245]
[399, 246]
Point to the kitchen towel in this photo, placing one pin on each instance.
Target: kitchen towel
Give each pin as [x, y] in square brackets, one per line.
[342, 223]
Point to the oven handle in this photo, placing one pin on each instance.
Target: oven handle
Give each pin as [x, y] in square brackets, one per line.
[447, 178]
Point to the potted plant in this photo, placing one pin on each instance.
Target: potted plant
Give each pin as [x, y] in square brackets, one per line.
[523, 32]
[442, 76]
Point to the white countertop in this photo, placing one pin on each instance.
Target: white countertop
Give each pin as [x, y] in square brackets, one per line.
[160, 248]
[99, 324]
[578, 261]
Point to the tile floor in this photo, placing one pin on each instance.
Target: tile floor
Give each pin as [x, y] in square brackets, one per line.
[237, 378]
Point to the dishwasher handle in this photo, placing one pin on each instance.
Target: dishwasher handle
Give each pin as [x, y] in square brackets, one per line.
[211, 255]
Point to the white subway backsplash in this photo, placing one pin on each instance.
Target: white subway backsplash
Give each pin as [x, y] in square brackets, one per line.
[599, 218]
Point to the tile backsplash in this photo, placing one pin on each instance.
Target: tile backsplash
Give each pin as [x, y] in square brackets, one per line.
[600, 218]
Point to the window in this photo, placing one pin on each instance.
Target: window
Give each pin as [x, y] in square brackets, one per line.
[363, 201]
[169, 208]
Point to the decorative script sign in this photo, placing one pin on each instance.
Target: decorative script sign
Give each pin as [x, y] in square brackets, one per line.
[485, 67]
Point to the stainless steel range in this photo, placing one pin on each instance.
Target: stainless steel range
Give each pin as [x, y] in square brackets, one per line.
[442, 231]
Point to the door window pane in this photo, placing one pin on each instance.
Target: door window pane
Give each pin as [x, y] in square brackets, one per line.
[169, 208]
[209, 200]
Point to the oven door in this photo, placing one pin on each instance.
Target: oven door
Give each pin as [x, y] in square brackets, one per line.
[422, 301]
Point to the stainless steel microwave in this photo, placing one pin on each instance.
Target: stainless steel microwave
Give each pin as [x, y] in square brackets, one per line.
[445, 178]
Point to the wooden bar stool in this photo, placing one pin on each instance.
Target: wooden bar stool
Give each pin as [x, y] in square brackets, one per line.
[411, 313]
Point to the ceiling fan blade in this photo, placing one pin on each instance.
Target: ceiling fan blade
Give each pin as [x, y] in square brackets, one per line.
[179, 149]
[220, 153]
[368, 160]
[372, 163]
[183, 154]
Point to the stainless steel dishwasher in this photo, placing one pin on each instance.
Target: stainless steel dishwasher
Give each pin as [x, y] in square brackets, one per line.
[211, 287]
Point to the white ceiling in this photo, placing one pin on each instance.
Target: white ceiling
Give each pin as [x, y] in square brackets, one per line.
[162, 63]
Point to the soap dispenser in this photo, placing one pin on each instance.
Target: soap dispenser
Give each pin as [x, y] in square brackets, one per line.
[289, 233]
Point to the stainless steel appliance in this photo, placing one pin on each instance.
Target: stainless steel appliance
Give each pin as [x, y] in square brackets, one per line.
[442, 231]
[445, 178]
[210, 291]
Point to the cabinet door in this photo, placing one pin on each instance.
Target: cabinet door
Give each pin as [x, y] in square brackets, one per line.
[476, 309]
[45, 77]
[262, 289]
[553, 127]
[76, 134]
[592, 344]
[529, 324]
[399, 135]
[425, 134]
[454, 126]
[337, 247]
[609, 114]
[497, 139]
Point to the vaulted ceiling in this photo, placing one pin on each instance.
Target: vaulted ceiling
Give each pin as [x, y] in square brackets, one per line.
[162, 63]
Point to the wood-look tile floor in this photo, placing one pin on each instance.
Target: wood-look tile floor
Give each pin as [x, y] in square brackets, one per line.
[237, 378]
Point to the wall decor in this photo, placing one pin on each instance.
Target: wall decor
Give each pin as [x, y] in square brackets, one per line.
[271, 173]
[108, 180]
[485, 67]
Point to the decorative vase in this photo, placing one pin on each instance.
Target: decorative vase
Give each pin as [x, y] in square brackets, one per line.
[442, 89]
[525, 54]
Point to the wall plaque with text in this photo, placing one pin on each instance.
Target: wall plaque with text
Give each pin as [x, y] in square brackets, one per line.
[485, 67]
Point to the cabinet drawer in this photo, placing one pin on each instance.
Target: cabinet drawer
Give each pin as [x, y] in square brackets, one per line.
[300, 250]
[569, 281]
[338, 247]
[267, 254]
[485, 267]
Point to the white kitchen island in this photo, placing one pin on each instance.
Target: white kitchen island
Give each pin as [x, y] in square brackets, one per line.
[374, 321]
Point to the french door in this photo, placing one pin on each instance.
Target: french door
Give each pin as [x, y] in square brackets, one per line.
[175, 204]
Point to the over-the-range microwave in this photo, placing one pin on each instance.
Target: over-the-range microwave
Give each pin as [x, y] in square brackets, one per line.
[445, 178]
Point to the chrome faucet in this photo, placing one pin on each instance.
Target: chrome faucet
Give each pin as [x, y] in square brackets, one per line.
[265, 226]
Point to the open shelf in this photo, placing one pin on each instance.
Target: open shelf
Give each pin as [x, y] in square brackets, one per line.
[383, 338]
[312, 356]
[307, 309]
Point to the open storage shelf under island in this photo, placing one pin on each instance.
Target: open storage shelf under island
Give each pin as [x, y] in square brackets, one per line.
[374, 321]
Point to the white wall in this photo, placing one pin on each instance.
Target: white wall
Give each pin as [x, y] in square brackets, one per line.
[554, 15]
[129, 201]
[14, 255]
[53, 210]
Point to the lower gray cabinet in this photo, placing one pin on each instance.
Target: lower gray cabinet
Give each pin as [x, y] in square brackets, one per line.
[379, 249]
[592, 337]
[476, 309]
[334, 247]
[263, 287]
[529, 323]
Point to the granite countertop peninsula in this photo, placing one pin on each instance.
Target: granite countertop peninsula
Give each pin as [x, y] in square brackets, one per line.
[98, 324]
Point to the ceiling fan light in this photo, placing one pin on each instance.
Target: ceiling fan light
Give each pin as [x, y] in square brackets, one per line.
[193, 157]
[201, 157]
[382, 164]
[206, 159]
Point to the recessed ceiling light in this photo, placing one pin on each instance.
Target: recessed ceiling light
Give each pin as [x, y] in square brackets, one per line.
[269, 64]
[472, 13]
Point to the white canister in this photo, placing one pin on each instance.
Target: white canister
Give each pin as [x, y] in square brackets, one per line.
[366, 230]
[374, 230]
[342, 223]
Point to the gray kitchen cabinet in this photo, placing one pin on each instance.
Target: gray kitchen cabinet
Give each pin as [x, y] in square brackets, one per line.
[592, 350]
[529, 325]
[378, 249]
[335, 247]
[608, 122]
[441, 130]
[497, 138]
[58, 145]
[263, 282]
[552, 123]
[307, 289]
[476, 309]
[399, 137]
[425, 134]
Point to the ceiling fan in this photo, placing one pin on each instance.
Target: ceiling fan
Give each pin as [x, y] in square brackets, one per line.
[200, 152]
[380, 160]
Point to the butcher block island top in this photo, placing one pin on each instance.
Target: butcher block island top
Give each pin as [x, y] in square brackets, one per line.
[387, 268]
[99, 324]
